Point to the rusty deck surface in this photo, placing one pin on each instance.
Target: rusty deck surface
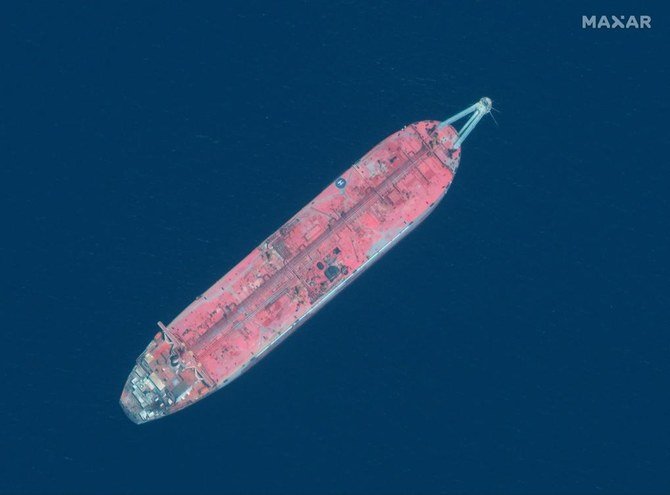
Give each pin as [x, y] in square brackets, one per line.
[286, 279]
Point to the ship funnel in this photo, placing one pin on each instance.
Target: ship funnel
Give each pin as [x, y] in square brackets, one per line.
[476, 112]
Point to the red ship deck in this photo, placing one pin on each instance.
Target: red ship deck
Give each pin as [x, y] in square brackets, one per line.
[294, 271]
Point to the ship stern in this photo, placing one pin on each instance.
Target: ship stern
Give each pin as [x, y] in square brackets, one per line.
[165, 379]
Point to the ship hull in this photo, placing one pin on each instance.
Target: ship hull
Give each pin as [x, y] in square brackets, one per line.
[293, 273]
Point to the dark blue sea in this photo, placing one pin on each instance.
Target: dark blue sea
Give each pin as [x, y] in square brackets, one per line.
[516, 343]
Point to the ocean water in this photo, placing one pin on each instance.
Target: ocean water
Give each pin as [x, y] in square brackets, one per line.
[516, 342]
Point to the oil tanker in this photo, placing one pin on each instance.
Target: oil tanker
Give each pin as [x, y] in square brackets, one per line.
[299, 268]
